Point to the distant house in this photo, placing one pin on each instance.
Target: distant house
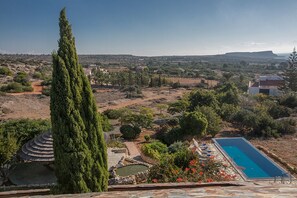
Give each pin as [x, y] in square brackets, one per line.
[268, 85]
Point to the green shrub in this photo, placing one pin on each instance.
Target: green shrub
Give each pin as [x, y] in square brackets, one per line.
[175, 134]
[213, 119]
[113, 113]
[46, 82]
[175, 85]
[5, 71]
[147, 138]
[115, 144]
[172, 121]
[27, 88]
[12, 88]
[176, 146]
[228, 111]
[46, 91]
[24, 129]
[22, 77]
[286, 126]
[289, 101]
[193, 123]
[154, 149]
[183, 157]
[129, 132]
[278, 111]
[106, 126]
[37, 75]
[162, 132]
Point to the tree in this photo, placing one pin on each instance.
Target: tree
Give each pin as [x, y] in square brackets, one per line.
[144, 118]
[194, 123]
[213, 119]
[79, 147]
[203, 98]
[290, 74]
[8, 149]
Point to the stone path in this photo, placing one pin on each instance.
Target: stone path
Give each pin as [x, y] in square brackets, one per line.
[133, 150]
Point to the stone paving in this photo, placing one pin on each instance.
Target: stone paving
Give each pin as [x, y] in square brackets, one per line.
[250, 191]
[133, 150]
[113, 158]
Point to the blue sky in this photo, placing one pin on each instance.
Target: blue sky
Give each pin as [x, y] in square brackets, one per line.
[150, 27]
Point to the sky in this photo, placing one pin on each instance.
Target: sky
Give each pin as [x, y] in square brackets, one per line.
[150, 27]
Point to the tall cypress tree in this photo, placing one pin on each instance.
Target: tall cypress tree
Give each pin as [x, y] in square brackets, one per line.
[79, 146]
[290, 74]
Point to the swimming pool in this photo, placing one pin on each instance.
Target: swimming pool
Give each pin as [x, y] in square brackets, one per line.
[249, 160]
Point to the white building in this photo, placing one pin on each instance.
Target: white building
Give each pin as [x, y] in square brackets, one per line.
[268, 85]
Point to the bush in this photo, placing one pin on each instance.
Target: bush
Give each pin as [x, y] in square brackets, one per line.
[154, 149]
[37, 75]
[5, 71]
[213, 119]
[193, 123]
[27, 88]
[203, 98]
[105, 123]
[162, 132]
[183, 157]
[24, 129]
[289, 101]
[228, 111]
[175, 85]
[129, 132]
[22, 78]
[115, 144]
[286, 126]
[113, 113]
[46, 82]
[175, 134]
[278, 111]
[172, 121]
[147, 138]
[176, 146]
[189, 171]
[12, 88]
[46, 91]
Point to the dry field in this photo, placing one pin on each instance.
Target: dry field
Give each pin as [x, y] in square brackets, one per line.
[192, 81]
[35, 105]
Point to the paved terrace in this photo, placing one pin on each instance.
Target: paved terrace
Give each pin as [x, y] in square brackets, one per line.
[178, 190]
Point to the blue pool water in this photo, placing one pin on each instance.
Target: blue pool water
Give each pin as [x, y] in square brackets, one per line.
[248, 159]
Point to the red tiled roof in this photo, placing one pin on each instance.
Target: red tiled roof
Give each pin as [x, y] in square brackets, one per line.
[276, 83]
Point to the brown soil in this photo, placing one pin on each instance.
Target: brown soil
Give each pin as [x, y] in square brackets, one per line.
[284, 147]
[24, 106]
[149, 96]
[28, 105]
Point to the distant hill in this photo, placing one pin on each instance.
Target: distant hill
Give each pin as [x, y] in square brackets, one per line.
[262, 54]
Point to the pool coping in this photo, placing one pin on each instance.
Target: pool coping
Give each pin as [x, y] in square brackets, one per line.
[240, 172]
